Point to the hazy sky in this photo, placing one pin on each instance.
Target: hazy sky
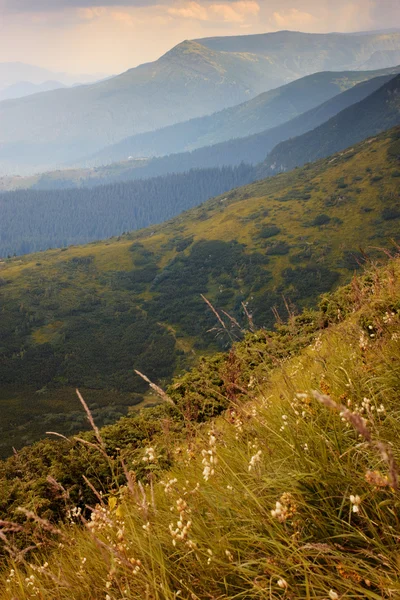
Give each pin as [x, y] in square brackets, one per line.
[109, 36]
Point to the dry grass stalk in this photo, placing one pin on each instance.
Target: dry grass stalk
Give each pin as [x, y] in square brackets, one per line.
[94, 446]
[249, 318]
[130, 479]
[60, 435]
[232, 320]
[210, 306]
[95, 492]
[156, 388]
[359, 425]
[90, 419]
[43, 523]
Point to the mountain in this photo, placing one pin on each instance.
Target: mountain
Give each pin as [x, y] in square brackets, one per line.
[192, 79]
[12, 73]
[53, 214]
[379, 111]
[26, 88]
[251, 149]
[382, 58]
[297, 51]
[267, 110]
[88, 315]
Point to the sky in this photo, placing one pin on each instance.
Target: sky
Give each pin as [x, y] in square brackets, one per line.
[110, 36]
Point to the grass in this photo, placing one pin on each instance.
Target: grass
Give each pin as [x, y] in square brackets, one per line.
[291, 493]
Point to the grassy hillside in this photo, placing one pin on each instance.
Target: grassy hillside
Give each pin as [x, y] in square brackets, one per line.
[291, 493]
[376, 113]
[267, 110]
[87, 316]
[190, 80]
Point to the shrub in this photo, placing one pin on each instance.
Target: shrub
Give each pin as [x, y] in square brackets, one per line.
[321, 220]
[268, 231]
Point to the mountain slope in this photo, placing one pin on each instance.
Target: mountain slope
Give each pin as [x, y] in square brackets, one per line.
[251, 149]
[26, 88]
[377, 112]
[87, 316]
[267, 110]
[188, 81]
[299, 50]
[191, 80]
[33, 220]
[270, 468]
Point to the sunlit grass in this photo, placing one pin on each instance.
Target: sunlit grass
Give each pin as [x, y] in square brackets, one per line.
[280, 497]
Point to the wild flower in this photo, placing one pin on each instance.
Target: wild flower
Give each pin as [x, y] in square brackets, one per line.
[169, 485]
[355, 501]
[363, 341]
[255, 460]
[333, 595]
[388, 317]
[149, 455]
[74, 514]
[209, 458]
[180, 531]
[285, 422]
[229, 555]
[282, 584]
[285, 508]
[377, 479]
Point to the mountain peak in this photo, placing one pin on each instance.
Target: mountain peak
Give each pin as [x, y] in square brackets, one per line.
[185, 48]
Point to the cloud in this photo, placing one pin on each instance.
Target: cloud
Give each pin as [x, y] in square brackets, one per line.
[32, 6]
[88, 14]
[294, 19]
[191, 10]
[236, 12]
[228, 12]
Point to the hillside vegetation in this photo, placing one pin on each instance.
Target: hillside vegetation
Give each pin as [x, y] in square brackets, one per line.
[376, 113]
[292, 492]
[193, 79]
[87, 316]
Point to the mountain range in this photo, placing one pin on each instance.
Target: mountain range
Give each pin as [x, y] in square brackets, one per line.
[193, 79]
[377, 112]
[252, 149]
[267, 110]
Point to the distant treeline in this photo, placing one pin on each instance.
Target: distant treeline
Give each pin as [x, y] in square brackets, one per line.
[33, 220]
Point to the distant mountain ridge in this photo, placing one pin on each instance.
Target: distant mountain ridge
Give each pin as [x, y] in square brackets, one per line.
[371, 116]
[265, 111]
[193, 79]
[12, 73]
[251, 149]
[26, 88]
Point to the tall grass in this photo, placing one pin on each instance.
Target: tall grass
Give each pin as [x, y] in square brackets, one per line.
[292, 494]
